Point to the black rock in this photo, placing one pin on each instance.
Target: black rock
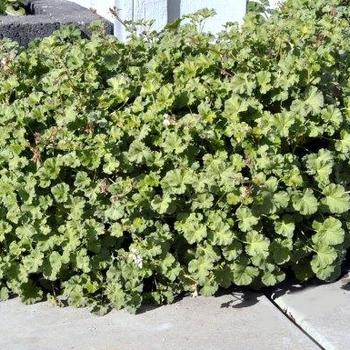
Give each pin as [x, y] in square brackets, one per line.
[44, 17]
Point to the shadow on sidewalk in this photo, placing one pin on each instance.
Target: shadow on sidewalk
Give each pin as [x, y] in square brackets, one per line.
[291, 285]
[246, 297]
[242, 300]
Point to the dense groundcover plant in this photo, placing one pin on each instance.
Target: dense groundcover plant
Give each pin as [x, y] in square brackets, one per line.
[178, 162]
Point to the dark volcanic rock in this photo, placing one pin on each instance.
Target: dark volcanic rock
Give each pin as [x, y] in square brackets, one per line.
[44, 17]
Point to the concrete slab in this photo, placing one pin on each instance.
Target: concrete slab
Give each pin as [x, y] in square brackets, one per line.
[321, 310]
[229, 322]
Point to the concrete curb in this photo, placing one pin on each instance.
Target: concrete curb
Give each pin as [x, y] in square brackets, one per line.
[321, 310]
[46, 17]
[301, 320]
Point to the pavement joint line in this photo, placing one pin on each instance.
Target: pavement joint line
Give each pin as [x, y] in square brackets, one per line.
[303, 325]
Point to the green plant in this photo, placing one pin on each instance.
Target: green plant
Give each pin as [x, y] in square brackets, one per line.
[12, 7]
[178, 162]
[258, 6]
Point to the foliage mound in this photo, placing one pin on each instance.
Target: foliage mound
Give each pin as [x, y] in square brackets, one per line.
[177, 162]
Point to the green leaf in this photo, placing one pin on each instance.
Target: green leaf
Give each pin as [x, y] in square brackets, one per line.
[324, 263]
[233, 251]
[320, 165]
[200, 269]
[170, 267]
[12, 11]
[5, 228]
[246, 219]
[329, 232]
[120, 88]
[116, 295]
[33, 261]
[83, 261]
[233, 198]
[235, 105]
[53, 266]
[324, 257]
[315, 100]
[281, 250]
[329, 274]
[60, 192]
[270, 279]
[336, 199]
[82, 180]
[30, 293]
[220, 231]
[303, 271]
[285, 227]
[284, 123]
[257, 244]
[343, 145]
[305, 203]
[264, 80]
[117, 230]
[224, 276]
[161, 204]
[210, 288]
[243, 274]
[192, 228]
[4, 294]
[176, 181]
[280, 200]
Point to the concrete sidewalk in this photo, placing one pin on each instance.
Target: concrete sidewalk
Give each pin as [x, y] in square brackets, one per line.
[230, 322]
[322, 310]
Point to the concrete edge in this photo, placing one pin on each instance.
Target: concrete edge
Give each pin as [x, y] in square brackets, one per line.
[300, 320]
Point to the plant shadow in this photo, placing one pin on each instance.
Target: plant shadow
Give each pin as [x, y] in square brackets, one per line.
[346, 286]
[346, 277]
[150, 306]
[292, 286]
[289, 287]
[242, 300]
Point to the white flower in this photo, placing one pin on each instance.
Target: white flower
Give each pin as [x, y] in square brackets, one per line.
[166, 121]
[136, 258]
[169, 120]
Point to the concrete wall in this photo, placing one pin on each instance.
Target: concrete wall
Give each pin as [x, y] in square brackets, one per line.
[163, 11]
[156, 10]
[227, 11]
[101, 6]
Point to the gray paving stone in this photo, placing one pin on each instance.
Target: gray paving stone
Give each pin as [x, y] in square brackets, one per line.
[322, 310]
[228, 322]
